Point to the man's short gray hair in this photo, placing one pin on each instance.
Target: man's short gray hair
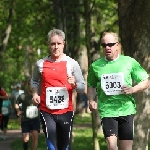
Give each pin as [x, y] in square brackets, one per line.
[56, 32]
[115, 35]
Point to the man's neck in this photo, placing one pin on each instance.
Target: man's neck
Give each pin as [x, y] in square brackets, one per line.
[112, 59]
[57, 59]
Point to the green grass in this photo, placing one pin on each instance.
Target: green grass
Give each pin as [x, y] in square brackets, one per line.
[86, 119]
[17, 145]
[82, 139]
[13, 124]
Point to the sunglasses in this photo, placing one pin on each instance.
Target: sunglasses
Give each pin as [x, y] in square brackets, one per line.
[108, 44]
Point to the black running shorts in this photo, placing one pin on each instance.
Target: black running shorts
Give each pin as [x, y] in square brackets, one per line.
[121, 127]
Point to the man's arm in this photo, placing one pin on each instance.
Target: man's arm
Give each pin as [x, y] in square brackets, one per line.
[91, 93]
[17, 109]
[79, 80]
[35, 84]
[137, 88]
[141, 86]
[16, 105]
[36, 97]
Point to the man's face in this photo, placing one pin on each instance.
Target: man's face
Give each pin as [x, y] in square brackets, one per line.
[56, 46]
[110, 47]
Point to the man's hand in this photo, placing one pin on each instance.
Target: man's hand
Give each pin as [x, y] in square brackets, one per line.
[36, 98]
[128, 90]
[71, 80]
[92, 105]
[19, 112]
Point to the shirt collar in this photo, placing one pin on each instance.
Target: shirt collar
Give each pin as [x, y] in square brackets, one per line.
[114, 59]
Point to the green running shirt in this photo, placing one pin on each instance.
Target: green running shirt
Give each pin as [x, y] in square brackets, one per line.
[119, 104]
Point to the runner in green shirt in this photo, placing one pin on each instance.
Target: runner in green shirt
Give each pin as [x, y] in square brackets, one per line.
[113, 77]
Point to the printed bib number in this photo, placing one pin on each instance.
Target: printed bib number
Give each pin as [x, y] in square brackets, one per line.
[57, 98]
[112, 83]
[32, 112]
[5, 111]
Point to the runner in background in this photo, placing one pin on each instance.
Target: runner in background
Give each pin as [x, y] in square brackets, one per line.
[3, 96]
[6, 107]
[29, 114]
[16, 92]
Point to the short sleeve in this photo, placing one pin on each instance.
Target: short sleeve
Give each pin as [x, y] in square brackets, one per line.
[138, 73]
[91, 78]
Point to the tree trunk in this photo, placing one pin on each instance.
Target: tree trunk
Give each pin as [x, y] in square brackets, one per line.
[95, 127]
[87, 6]
[6, 33]
[134, 21]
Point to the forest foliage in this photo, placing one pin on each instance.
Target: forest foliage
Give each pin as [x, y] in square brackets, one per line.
[24, 26]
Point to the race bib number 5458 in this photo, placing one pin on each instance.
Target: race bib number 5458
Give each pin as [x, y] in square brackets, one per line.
[57, 98]
[112, 83]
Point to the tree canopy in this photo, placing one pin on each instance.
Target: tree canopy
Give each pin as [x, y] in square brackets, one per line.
[24, 26]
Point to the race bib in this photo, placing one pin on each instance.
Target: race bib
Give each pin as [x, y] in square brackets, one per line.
[112, 83]
[32, 112]
[57, 98]
[5, 111]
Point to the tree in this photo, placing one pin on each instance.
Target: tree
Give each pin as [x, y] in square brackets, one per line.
[23, 27]
[5, 32]
[134, 21]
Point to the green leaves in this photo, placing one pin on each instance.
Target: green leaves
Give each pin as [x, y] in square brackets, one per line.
[32, 20]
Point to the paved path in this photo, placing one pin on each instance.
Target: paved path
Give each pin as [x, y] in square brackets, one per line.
[12, 135]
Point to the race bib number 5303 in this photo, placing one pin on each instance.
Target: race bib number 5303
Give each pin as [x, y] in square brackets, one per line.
[57, 98]
[112, 83]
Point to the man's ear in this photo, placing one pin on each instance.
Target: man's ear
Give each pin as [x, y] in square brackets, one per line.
[119, 48]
